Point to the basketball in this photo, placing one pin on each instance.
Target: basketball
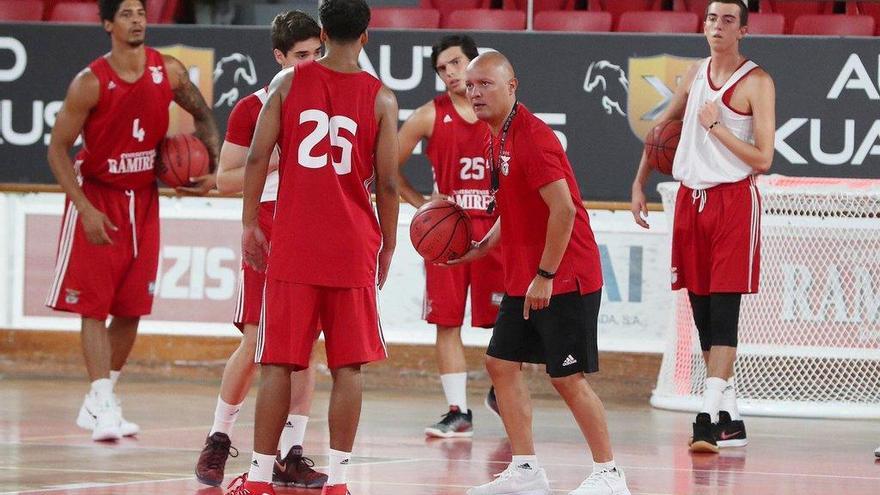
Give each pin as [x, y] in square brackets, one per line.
[441, 231]
[660, 145]
[181, 157]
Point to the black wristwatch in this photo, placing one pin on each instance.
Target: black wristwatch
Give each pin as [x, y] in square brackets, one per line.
[546, 274]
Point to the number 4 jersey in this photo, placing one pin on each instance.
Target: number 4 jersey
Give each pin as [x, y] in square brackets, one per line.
[122, 132]
[456, 151]
[325, 230]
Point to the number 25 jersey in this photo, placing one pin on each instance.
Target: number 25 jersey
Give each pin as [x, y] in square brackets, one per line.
[325, 230]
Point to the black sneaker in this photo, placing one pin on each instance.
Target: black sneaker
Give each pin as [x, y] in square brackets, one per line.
[455, 424]
[730, 433]
[212, 460]
[296, 470]
[491, 403]
[704, 435]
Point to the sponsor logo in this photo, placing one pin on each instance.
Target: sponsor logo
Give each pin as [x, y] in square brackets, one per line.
[652, 83]
[727, 436]
[570, 360]
[71, 296]
[157, 74]
[447, 119]
[525, 465]
[255, 463]
[497, 297]
[345, 461]
[111, 85]
[230, 72]
[610, 81]
[129, 163]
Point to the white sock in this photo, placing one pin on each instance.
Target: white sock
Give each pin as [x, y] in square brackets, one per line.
[599, 467]
[337, 471]
[712, 396]
[102, 389]
[224, 417]
[455, 388]
[261, 468]
[728, 399]
[525, 460]
[294, 433]
[114, 377]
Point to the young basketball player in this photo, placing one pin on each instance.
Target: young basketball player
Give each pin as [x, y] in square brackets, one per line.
[119, 104]
[295, 40]
[337, 126]
[728, 105]
[455, 148]
[553, 283]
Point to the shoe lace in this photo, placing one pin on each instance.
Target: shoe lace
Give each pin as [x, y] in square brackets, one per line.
[218, 454]
[450, 417]
[306, 465]
[502, 476]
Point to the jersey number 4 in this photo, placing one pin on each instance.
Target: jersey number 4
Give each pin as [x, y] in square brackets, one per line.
[136, 131]
[326, 125]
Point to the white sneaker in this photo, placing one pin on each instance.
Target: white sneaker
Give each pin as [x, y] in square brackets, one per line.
[611, 482]
[513, 481]
[88, 416]
[107, 422]
[877, 452]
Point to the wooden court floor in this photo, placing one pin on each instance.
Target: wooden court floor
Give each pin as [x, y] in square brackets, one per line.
[42, 451]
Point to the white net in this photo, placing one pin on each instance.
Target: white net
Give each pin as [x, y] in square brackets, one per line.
[809, 342]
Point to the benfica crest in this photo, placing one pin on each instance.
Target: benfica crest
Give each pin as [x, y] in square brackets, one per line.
[652, 83]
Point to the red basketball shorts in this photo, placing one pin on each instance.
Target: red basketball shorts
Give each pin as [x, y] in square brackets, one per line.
[117, 279]
[349, 318]
[446, 288]
[716, 239]
[250, 282]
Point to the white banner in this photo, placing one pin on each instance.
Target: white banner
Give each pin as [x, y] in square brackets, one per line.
[199, 273]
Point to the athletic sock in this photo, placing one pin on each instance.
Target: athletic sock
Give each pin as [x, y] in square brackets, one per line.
[114, 377]
[712, 396]
[525, 462]
[728, 399]
[337, 471]
[224, 417]
[294, 433]
[261, 468]
[455, 388]
[600, 467]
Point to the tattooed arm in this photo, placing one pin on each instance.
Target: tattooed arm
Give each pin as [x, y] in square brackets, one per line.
[190, 99]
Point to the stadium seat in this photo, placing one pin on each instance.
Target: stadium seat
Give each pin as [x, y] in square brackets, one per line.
[696, 6]
[563, 20]
[658, 22]
[447, 7]
[539, 5]
[75, 12]
[486, 20]
[21, 10]
[408, 18]
[866, 8]
[161, 11]
[618, 7]
[834, 25]
[792, 9]
[763, 23]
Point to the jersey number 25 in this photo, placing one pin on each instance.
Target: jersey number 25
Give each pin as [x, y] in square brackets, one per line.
[326, 125]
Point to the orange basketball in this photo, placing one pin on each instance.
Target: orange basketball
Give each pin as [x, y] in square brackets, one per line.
[181, 157]
[660, 145]
[441, 231]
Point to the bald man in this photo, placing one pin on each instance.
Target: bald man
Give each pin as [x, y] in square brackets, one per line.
[553, 282]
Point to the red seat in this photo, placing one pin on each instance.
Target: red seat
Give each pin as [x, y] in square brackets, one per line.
[486, 20]
[696, 6]
[867, 8]
[409, 18]
[162, 11]
[658, 22]
[447, 7]
[573, 21]
[618, 7]
[763, 23]
[834, 25]
[539, 5]
[75, 12]
[21, 10]
[792, 9]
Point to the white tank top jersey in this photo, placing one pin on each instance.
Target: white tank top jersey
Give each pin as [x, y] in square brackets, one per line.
[701, 160]
[270, 190]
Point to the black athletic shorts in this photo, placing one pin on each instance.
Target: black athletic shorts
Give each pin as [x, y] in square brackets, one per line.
[562, 335]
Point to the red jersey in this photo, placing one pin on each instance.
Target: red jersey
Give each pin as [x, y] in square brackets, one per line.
[325, 230]
[122, 132]
[240, 130]
[532, 158]
[457, 154]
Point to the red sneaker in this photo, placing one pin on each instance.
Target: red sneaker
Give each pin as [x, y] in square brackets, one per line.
[335, 490]
[241, 486]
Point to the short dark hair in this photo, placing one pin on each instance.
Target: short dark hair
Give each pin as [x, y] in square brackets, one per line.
[743, 9]
[467, 44]
[108, 8]
[289, 28]
[344, 20]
